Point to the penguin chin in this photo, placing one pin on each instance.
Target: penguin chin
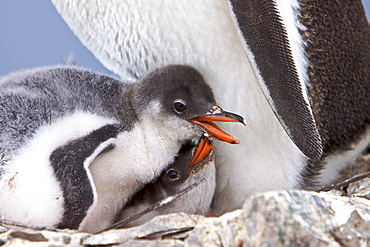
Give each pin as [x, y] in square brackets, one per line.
[184, 129]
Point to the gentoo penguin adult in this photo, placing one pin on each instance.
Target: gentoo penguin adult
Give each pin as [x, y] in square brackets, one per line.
[175, 178]
[298, 70]
[76, 144]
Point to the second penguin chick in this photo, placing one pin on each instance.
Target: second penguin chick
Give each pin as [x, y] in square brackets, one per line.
[175, 178]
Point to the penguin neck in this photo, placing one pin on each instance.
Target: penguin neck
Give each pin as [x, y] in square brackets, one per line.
[158, 142]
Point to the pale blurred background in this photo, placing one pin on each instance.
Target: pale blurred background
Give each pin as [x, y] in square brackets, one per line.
[33, 34]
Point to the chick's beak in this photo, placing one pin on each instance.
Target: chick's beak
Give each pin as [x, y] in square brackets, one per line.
[206, 121]
[206, 142]
[205, 146]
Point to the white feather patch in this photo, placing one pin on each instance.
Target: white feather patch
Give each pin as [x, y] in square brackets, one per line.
[29, 191]
[87, 163]
[335, 163]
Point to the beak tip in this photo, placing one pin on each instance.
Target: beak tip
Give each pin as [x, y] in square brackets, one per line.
[235, 141]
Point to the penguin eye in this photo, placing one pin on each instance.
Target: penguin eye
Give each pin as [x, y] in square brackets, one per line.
[179, 106]
[173, 174]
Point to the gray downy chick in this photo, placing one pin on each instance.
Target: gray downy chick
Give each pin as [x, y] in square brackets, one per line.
[175, 178]
[76, 144]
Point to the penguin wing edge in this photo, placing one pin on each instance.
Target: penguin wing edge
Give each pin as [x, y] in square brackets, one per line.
[70, 163]
[267, 45]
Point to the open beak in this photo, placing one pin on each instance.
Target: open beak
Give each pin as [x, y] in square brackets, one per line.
[206, 143]
[206, 121]
[205, 146]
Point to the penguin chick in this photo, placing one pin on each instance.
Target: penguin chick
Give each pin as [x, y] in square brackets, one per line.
[175, 178]
[52, 177]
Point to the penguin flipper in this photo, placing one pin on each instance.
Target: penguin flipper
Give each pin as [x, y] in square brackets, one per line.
[266, 41]
[340, 78]
[70, 163]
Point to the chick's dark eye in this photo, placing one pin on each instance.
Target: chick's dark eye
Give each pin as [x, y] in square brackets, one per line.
[173, 174]
[179, 106]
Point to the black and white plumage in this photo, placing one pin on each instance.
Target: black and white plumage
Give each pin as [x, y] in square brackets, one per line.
[175, 178]
[298, 70]
[77, 144]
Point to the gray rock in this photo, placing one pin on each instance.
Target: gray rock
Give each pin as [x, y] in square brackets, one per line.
[355, 232]
[276, 218]
[281, 218]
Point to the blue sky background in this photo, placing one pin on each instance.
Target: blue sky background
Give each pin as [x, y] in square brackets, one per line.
[33, 34]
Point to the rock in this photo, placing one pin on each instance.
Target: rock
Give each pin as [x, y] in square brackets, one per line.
[360, 188]
[157, 228]
[362, 165]
[356, 232]
[275, 218]
[281, 218]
